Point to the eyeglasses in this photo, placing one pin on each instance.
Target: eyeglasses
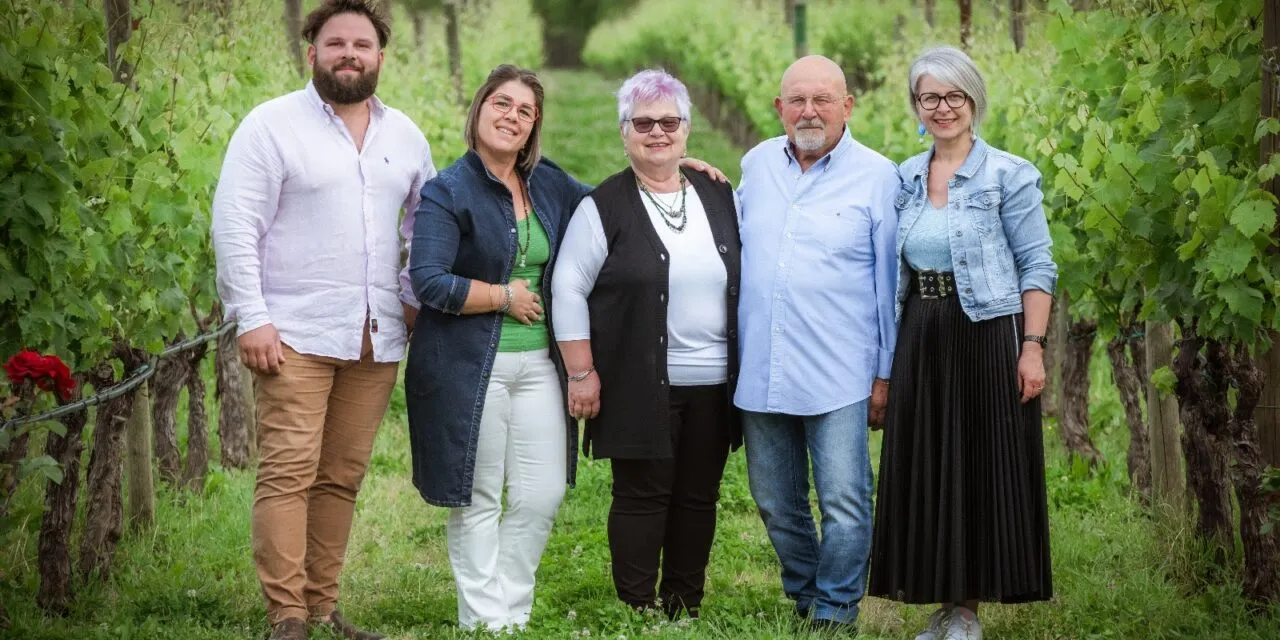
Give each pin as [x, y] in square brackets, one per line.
[954, 99]
[645, 125]
[504, 104]
[821, 102]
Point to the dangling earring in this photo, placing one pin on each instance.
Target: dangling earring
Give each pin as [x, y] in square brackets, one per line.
[921, 130]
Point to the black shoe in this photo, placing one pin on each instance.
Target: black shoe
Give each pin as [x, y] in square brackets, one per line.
[674, 606]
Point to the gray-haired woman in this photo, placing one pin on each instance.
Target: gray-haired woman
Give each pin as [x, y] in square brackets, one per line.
[646, 315]
[961, 514]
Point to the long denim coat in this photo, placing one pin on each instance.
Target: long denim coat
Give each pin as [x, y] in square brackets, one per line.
[465, 229]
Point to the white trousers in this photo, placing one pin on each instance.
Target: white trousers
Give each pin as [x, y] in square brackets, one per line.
[522, 447]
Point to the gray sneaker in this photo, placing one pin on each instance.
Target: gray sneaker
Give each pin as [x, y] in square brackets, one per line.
[963, 624]
[936, 623]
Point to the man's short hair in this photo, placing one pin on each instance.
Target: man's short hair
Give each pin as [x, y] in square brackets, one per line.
[329, 8]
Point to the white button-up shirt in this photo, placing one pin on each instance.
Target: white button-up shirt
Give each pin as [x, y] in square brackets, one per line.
[305, 225]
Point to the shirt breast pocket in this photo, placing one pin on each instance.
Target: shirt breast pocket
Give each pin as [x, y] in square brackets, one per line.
[984, 210]
[840, 229]
[904, 199]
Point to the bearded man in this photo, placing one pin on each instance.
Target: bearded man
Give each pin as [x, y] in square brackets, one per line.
[309, 265]
[816, 337]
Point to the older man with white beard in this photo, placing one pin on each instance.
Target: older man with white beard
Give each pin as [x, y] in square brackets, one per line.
[305, 231]
[817, 334]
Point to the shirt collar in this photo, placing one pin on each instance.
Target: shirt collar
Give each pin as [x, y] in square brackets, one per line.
[376, 108]
[840, 150]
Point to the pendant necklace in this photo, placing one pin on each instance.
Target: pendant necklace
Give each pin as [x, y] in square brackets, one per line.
[528, 228]
[675, 219]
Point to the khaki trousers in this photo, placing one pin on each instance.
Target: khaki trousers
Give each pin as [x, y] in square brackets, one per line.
[317, 420]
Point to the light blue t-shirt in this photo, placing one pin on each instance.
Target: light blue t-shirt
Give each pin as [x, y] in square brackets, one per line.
[927, 246]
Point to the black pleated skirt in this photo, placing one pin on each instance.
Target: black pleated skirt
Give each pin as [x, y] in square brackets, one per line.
[961, 512]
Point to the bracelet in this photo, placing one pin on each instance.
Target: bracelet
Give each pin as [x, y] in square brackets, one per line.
[506, 302]
[1041, 340]
[491, 302]
[579, 377]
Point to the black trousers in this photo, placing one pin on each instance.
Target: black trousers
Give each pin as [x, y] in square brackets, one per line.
[664, 511]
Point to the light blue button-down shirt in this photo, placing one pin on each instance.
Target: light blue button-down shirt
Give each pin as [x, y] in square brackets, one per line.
[819, 273]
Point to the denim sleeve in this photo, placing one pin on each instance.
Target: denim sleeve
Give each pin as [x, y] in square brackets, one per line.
[884, 240]
[434, 249]
[1027, 230]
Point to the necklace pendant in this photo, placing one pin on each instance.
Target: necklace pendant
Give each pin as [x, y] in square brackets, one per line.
[522, 262]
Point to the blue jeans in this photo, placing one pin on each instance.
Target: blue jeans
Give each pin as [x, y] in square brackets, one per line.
[826, 578]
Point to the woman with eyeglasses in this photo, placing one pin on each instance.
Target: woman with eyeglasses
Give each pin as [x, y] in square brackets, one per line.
[961, 515]
[485, 390]
[646, 318]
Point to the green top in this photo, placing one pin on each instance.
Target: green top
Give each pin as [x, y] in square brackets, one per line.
[517, 336]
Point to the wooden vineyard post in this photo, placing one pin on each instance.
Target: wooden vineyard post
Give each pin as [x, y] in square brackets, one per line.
[1168, 482]
[293, 34]
[455, 49]
[1017, 25]
[137, 460]
[1268, 410]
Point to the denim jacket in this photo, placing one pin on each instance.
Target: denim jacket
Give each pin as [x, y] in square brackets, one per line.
[465, 229]
[997, 229]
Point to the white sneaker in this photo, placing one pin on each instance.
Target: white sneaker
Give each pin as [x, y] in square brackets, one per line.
[936, 622]
[962, 624]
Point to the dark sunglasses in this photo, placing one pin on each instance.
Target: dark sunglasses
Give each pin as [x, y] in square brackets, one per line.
[645, 125]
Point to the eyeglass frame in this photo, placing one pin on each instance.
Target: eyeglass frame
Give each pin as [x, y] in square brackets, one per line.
[920, 98]
[821, 102]
[658, 122]
[492, 100]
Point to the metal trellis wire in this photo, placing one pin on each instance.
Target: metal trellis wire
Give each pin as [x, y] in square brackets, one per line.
[131, 382]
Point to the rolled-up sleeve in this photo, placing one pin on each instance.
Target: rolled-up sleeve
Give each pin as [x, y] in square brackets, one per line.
[582, 255]
[244, 206]
[425, 175]
[1027, 230]
[884, 234]
[434, 248]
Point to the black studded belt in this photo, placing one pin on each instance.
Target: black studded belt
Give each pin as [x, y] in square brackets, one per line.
[931, 285]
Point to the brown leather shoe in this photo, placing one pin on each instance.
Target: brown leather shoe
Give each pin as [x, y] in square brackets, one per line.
[344, 628]
[289, 629]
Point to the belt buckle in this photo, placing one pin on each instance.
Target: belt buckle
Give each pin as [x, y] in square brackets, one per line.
[932, 285]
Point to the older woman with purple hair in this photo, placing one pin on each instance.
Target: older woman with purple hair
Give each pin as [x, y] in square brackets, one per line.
[645, 297]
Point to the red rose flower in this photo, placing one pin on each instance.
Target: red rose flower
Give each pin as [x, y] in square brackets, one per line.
[24, 365]
[47, 372]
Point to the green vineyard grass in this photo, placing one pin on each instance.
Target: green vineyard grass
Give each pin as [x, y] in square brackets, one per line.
[1118, 573]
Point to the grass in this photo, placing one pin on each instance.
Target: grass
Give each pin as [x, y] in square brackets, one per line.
[1117, 573]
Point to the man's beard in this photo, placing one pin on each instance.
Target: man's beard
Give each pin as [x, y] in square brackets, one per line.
[810, 139]
[340, 91]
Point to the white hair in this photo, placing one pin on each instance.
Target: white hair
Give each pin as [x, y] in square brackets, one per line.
[651, 85]
[952, 66]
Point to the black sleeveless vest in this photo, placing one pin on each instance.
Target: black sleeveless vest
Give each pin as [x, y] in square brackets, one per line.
[628, 309]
